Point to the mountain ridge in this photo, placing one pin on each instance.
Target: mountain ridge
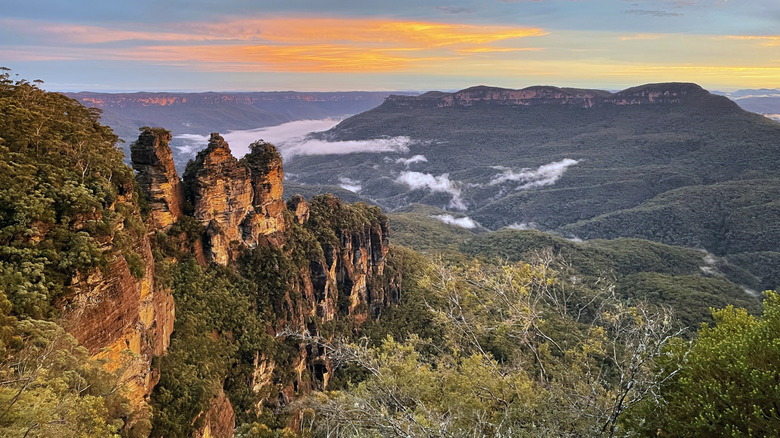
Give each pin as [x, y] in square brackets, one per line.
[659, 93]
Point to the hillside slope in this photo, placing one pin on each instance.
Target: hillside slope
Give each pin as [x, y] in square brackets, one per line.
[565, 160]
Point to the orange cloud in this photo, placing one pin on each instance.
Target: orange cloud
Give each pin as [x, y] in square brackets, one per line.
[297, 58]
[373, 31]
[285, 44]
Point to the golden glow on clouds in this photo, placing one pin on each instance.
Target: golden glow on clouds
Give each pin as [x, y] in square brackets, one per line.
[292, 44]
[452, 54]
[768, 40]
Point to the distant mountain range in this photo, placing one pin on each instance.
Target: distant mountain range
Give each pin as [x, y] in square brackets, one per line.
[764, 101]
[203, 113]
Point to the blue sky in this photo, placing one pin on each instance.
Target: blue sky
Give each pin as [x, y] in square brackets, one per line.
[401, 45]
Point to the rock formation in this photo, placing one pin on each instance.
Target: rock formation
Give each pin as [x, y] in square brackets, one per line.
[265, 165]
[238, 203]
[300, 209]
[337, 275]
[153, 160]
[219, 421]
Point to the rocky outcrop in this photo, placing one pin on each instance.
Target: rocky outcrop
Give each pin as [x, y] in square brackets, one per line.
[300, 209]
[265, 165]
[651, 94]
[220, 191]
[238, 203]
[347, 284]
[153, 160]
[121, 318]
[334, 266]
[219, 420]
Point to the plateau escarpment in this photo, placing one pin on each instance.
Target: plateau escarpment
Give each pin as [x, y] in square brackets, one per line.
[78, 284]
[187, 114]
[669, 162]
[314, 269]
[655, 94]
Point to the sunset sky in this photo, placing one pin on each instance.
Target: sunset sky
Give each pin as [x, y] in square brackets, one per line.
[248, 45]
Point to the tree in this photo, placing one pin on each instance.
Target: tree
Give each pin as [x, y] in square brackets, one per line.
[523, 354]
[50, 387]
[729, 380]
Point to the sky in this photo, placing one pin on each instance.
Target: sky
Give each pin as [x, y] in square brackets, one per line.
[336, 45]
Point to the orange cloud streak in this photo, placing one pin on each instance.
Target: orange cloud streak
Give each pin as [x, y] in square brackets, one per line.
[768, 40]
[287, 44]
[298, 58]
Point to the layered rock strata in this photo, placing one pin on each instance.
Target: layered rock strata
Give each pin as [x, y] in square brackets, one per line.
[238, 202]
[153, 160]
[121, 318]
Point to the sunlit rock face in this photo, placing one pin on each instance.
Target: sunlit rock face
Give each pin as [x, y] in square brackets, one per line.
[239, 203]
[156, 174]
[219, 420]
[122, 318]
[220, 191]
[265, 166]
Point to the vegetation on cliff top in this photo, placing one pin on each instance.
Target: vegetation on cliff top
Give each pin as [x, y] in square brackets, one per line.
[67, 210]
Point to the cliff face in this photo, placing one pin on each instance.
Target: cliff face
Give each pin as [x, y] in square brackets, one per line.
[265, 165]
[153, 160]
[236, 204]
[219, 420]
[651, 94]
[344, 286]
[111, 313]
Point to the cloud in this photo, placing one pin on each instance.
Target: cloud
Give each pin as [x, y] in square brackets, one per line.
[544, 175]
[190, 144]
[463, 222]
[279, 135]
[409, 161]
[523, 226]
[278, 43]
[454, 10]
[291, 140]
[441, 183]
[652, 12]
[308, 146]
[767, 40]
[350, 184]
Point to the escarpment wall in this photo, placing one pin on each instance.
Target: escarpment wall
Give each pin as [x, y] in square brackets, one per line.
[121, 317]
[650, 94]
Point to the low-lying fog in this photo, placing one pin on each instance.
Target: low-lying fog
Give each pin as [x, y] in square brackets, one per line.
[291, 140]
